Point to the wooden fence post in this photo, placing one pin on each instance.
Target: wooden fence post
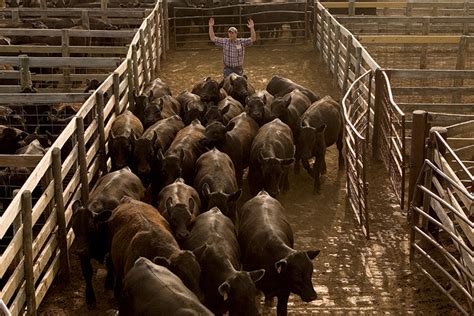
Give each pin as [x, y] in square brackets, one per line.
[81, 153]
[463, 50]
[100, 126]
[131, 89]
[103, 6]
[136, 82]
[85, 19]
[16, 16]
[165, 23]
[315, 24]
[424, 49]
[116, 88]
[65, 53]
[306, 21]
[417, 153]
[327, 29]
[149, 48]
[143, 56]
[347, 66]
[351, 9]
[26, 208]
[158, 42]
[25, 75]
[61, 218]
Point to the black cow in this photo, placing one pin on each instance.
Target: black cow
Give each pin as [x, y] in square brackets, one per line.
[124, 129]
[179, 159]
[11, 139]
[216, 183]
[208, 90]
[257, 107]
[151, 289]
[137, 229]
[320, 127]
[279, 86]
[226, 109]
[89, 223]
[237, 87]
[289, 108]
[180, 204]
[161, 108]
[145, 149]
[261, 221]
[153, 90]
[226, 287]
[235, 139]
[270, 156]
[193, 106]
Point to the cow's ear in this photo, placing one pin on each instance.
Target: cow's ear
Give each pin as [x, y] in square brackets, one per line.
[257, 275]
[235, 196]
[229, 126]
[221, 84]
[261, 158]
[264, 99]
[76, 205]
[134, 138]
[103, 216]
[245, 76]
[287, 161]
[280, 266]
[199, 250]
[150, 95]
[169, 203]
[321, 128]
[247, 99]
[312, 254]
[191, 205]
[160, 154]
[162, 261]
[207, 79]
[287, 99]
[225, 109]
[206, 191]
[224, 290]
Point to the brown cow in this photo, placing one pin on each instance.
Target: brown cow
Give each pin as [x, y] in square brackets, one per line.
[137, 229]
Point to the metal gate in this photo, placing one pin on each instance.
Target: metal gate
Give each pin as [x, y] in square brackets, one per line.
[389, 134]
[357, 104]
[275, 23]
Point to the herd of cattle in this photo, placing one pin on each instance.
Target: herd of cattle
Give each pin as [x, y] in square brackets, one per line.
[167, 214]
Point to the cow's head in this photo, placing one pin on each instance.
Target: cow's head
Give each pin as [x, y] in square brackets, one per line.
[171, 165]
[144, 155]
[296, 269]
[90, 229]
[214, 134]
[120, 150]
[273, 170]
[180, 217]
[185, 265]
[215, 114]
[255, 108]
[279, 107]
[209, 91]
[193, 109]
[311, 140]
[224, 201]
[152, 113]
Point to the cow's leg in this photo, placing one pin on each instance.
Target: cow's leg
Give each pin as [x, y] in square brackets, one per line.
[109, 278]
[316, 174]
[297, 160]
[282, 305]
[307, 166]
[339, 144]
[86, 267]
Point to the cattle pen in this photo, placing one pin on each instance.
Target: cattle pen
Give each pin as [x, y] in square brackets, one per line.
[404, 72]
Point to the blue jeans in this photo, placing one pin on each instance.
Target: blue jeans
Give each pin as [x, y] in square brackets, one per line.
[229, 70]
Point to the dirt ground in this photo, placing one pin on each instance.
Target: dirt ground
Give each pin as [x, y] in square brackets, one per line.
[352, 275]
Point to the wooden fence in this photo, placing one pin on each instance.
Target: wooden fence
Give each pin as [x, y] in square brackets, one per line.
[34, 257]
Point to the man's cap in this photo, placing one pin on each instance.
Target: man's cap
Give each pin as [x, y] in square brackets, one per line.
[233, 30]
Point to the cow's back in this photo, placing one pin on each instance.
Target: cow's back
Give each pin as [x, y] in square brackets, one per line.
[326, 111]
[150, 289]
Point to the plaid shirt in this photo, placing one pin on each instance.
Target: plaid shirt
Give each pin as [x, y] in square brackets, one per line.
[233, 51]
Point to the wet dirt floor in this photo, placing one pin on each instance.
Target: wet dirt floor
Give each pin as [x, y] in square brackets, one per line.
[352, 275]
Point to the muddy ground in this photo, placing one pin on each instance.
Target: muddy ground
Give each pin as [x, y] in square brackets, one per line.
[352, 275]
